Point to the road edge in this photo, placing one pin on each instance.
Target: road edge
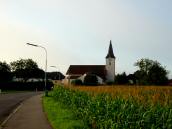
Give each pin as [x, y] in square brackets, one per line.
[2, 125]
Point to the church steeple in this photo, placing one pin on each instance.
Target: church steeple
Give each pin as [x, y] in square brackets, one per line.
[110, 51]
[110, 65]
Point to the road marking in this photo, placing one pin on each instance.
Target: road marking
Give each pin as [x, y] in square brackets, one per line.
[9, 116]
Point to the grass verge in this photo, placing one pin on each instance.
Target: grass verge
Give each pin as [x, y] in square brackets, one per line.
[59, 116]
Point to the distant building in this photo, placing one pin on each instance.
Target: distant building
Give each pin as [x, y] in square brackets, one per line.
[104, 73]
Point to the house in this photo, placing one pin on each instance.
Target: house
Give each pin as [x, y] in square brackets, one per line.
[80, 71]
[104, 73]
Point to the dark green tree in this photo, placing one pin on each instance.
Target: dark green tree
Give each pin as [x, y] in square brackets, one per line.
[121, 79]
[25, 69]
[158, 75]
[150, 73]
[90, 79]
[131, 79]
[5, 72]
[145, 64]
[76, 82]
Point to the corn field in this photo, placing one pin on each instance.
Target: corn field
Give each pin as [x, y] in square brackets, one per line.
[119, 107]
[143, 94]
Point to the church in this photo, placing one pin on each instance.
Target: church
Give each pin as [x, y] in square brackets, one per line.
[104, 73]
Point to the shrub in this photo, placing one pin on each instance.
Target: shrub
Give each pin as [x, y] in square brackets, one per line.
[22, 86]
[109, 83]
[90, 79]
[5, 72]
[121, 79]
[76, 82]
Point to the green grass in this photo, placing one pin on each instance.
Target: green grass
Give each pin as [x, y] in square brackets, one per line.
[59, 116]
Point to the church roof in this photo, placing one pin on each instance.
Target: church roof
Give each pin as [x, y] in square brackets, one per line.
[110, 51]
[82, 69]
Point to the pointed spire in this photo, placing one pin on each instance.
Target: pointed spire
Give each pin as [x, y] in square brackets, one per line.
[110, 51]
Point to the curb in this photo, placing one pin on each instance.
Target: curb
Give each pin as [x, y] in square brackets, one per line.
[2, 125]
[45, 113]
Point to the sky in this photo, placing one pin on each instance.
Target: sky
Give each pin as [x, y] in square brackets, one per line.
[77, 32]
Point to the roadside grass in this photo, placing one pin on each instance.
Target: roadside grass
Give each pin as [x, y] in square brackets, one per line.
[60, 116]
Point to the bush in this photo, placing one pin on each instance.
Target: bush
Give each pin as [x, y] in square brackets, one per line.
[5, 72]
[76, 82]
[110, 83]
[26, 86]
[121, 79]
[90, 79]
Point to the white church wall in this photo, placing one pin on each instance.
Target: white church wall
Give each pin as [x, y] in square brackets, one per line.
[110, 69]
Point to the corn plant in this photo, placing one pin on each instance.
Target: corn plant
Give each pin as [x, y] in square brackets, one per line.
[104, 111]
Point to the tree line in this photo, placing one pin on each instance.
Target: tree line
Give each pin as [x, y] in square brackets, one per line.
[22, 69]
[16, 75]
[149, 72]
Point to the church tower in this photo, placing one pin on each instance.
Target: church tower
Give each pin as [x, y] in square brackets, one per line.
[110, 65]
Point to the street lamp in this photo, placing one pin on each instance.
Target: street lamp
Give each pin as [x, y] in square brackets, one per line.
[45, 79]
[57, 70]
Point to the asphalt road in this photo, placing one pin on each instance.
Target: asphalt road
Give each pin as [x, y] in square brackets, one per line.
[8, 102]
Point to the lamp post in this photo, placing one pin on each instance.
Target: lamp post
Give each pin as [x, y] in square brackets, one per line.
[57, 70]
[45, 79]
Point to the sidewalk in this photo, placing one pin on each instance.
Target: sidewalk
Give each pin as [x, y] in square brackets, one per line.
[29, 116]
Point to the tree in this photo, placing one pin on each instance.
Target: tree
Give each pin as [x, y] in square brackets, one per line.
[121, 78]
[76, 82]
[90, 79]
[157, 75]
[150, 72]
[131, 79]
[26, 68]
[141, 78]
[5, 72]
[145, 64]
[55, 75]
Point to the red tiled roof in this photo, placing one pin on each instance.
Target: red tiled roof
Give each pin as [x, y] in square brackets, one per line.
[82, 69]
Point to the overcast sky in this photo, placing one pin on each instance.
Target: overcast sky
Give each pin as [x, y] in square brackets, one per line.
[78, 31]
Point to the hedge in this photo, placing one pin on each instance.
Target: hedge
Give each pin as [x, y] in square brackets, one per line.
[20, 86]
